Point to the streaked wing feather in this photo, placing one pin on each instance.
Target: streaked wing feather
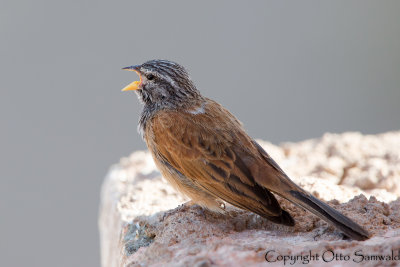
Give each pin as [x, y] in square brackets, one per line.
[212, 161]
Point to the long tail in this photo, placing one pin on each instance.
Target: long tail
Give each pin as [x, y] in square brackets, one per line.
[321, 209]
[275, 179]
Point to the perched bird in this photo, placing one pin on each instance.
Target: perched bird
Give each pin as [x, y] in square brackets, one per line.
[204, 152]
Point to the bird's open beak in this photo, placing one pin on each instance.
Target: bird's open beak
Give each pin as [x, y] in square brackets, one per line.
[136, 84]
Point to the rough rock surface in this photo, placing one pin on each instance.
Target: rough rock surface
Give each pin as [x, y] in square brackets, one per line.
[143, 222]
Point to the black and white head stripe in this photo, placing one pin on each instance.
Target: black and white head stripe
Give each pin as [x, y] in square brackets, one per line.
[167, 70]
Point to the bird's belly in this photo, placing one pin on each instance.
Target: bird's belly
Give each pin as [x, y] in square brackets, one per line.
[186, 186]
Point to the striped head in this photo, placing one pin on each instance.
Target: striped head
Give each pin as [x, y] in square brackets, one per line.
[162, 82]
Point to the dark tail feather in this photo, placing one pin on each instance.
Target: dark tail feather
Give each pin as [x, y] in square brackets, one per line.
[321, 209]
[284, 218]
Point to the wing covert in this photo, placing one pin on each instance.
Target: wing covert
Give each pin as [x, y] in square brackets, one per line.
[203, 150]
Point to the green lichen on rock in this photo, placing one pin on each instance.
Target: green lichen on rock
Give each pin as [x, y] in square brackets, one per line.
[136, 236]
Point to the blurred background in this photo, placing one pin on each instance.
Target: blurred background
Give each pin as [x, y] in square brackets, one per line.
[288, 70]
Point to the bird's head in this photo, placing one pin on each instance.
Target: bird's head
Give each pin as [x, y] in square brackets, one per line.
[162, 82]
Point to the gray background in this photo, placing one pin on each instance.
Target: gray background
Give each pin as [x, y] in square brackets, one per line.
[288, 70]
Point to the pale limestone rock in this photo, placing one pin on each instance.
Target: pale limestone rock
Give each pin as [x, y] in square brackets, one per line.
[143, 224]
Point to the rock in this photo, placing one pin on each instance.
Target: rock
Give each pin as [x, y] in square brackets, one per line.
[144, 223]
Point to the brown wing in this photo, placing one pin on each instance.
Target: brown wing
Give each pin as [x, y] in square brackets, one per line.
[214, 152]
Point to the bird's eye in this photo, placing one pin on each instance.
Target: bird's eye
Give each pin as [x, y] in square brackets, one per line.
[150, 77]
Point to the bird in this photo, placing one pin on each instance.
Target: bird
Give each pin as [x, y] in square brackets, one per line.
[204, 152]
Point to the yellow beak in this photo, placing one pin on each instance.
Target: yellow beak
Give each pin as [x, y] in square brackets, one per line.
[136, 84]
[132, 86]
